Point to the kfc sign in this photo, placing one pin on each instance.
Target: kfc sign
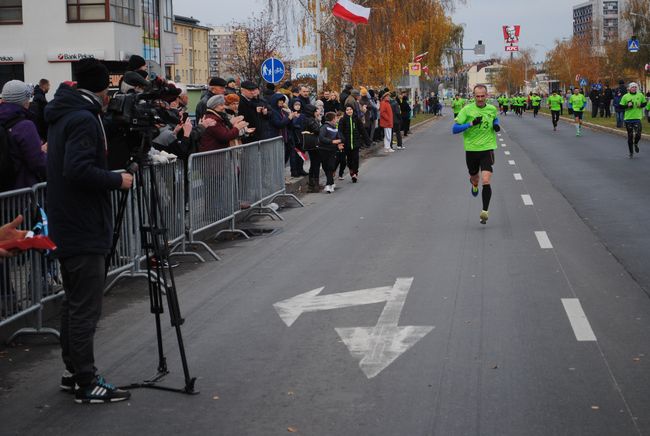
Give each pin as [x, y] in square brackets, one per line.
[512, 48]
[74, 56]
[511, 34]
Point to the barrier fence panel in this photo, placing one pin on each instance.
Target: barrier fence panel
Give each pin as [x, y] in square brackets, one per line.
[211, 196]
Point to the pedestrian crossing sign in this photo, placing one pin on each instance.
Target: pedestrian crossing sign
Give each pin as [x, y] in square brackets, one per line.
[583, 82]
[633, 45]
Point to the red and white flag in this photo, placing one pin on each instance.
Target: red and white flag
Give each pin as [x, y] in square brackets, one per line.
[425, 69]
[349, 11]
[421, 56]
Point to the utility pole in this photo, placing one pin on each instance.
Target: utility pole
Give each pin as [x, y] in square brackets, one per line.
[319, 55]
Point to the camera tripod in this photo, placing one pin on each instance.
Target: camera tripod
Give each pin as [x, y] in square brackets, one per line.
[155, 244]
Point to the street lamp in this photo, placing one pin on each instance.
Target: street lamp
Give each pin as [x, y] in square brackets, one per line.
[642, 16]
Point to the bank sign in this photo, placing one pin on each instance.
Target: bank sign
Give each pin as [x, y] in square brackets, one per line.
[12, 58]
[74, 56]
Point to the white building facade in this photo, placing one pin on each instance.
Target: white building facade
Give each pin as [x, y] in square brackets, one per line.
[43, 39]
[600, 21]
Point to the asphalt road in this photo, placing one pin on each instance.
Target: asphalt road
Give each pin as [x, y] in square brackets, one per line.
[428, 322]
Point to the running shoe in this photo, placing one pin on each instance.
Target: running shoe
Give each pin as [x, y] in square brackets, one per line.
[354, 178]
[636, 147]
[474, 190]
[100, 392]
[483, 216]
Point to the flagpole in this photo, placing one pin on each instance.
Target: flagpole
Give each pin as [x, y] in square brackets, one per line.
[319, 56]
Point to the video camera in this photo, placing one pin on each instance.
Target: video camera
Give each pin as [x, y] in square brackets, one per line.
[145, 110]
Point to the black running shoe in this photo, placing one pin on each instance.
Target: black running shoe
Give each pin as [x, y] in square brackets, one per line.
[636, 147]
[67, 381]
[99, 392]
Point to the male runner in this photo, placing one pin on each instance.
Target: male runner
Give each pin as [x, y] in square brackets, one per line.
[535, 101]
[457, 104]
[633, 103]
[555, 102]
[577, 104]
[479, 122]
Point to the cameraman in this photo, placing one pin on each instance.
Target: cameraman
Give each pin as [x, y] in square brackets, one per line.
[81, 222]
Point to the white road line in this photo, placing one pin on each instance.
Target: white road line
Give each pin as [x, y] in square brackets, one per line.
[544, 241]
[507, 153]
[501, 139]
[511, 162]
[518, 176]
[578, 319]
[503, 145]
[528, 201]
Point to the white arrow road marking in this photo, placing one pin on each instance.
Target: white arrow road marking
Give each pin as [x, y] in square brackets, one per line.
[376, 347]
[291, 308]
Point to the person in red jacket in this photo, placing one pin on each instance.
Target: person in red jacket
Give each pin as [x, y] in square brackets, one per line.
[225, 130]
[386, 121]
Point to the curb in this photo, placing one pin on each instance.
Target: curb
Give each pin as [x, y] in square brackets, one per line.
[598, 127]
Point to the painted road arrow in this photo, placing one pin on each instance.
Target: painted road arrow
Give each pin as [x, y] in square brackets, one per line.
[375, 347]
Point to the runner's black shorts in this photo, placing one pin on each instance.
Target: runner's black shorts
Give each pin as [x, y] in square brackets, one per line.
[482, 160]
[578, 114]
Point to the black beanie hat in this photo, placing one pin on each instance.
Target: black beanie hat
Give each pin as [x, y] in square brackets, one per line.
[136, 62]
[91, 75]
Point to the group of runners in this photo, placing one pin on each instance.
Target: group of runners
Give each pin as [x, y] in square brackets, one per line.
[478, 121]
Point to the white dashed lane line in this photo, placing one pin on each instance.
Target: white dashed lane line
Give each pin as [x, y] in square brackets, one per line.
[518, 176]
[544, 241]
[528, 201]
[511, 162]
[507, 153]
[578, 319]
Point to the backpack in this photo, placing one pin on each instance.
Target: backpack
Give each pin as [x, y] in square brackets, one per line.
[7, 150]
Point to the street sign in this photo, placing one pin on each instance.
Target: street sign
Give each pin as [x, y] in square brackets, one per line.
[633, 45]
[272, 70]
[376, 347]
[583, 82]
[512, 48]
[415, 69]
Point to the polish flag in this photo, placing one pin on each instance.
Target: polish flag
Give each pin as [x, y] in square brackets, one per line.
[425, 69]
[349, 11]
[419, 57]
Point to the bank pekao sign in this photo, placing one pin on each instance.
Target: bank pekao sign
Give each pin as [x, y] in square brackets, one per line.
[12, 58]
[74, 55]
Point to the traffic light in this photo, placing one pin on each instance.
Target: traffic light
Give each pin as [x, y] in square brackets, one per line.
[479, 49]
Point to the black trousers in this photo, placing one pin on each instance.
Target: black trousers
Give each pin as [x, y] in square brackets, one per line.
[555, 116]
[397, 133]
[535, 110]
[353, 160]
[314, 165]
[406, 126]
[328, 160]
[83, 281]
[594, 109]
[633, 133]
[341, 162]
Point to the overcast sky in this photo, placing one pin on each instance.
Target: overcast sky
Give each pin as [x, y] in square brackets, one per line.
[542, 21]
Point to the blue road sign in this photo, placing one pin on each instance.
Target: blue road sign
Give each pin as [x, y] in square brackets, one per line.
[583, 82]
[633, 45]
[272, 70]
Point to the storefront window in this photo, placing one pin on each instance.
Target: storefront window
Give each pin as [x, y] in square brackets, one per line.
[87, 10]
[11, 72]
[151, 30]
[123, 11]
[11, 11]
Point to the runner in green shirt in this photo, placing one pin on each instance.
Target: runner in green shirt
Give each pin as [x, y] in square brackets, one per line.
[478, 122]
[457, 104]
[633, 103]
[577, 103]
[535, 101]
[555, 102]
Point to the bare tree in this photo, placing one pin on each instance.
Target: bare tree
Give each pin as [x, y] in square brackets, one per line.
[257, 40]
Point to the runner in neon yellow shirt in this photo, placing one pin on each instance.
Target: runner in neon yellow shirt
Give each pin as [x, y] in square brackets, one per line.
[478, 122]
[577, 103]
[457, 104]
[535, 102]
[555, 102]
[633, 103]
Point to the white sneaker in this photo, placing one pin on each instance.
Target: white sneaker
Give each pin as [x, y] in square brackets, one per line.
[328, 189]
[400, 148]
[333, 186]
[389, 150]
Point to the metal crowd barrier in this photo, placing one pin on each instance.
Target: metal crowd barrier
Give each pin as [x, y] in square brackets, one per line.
[222, 185]
[22, 280]
[233, 181]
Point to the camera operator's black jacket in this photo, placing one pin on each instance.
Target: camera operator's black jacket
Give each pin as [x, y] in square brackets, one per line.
[78, 197]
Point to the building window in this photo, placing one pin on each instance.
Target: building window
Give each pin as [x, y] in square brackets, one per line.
[123, 11]
[168, 18]
[11, 11]
[151, 30]
[87, 10]
[11, 72]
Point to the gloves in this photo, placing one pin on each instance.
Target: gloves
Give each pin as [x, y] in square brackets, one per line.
[496, 127]
[630, 104]
[477, 121]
